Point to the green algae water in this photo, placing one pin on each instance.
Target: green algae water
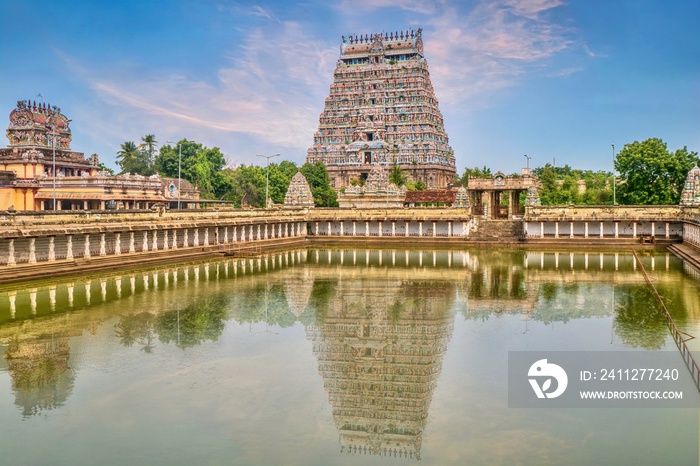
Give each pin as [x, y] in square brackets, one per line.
[326, 357]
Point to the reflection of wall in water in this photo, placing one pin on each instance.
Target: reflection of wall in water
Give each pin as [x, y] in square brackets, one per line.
[41, 378]
[379, 352]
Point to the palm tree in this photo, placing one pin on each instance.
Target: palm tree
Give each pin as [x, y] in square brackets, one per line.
[397, 176]
[149, 143]
[128, 156]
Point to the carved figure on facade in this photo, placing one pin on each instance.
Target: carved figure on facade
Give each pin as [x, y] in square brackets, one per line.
[533, 196]
[33, 155]
[499, 179]
[462, 199]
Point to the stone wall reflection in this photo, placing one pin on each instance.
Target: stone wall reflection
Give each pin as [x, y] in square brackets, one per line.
[379, 346]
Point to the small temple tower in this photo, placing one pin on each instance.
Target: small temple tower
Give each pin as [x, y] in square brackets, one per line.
[299, 193]
[533, 196]
[377, 192]
[690, 196]
[382, 110]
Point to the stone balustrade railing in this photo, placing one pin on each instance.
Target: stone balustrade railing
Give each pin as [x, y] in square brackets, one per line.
[389, 214]
[604, 213]
[39, 223]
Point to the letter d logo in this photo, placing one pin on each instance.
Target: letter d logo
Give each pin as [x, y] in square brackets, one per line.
[542, 369]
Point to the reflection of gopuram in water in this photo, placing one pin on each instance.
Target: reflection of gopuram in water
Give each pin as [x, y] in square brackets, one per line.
[41, 378]
[379, 350]
[371, 314]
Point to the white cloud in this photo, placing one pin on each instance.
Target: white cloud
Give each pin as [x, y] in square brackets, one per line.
[425, 7]
[257, 10]
[270, 89]
[531, 8]
[489, 47]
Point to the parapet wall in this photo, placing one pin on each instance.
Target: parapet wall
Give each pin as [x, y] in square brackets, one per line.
[607, 213]
[52, 241]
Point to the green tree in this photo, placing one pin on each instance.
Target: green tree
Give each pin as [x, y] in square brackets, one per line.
[148, 144]
[131, 160]
[245, 184]
[280, 176]
[201, 166]
[397, 175]
[476, 172]
[320, 184]
[650, 174]
[105, 168]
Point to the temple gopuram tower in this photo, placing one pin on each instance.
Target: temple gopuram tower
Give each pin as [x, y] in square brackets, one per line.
[382, 110]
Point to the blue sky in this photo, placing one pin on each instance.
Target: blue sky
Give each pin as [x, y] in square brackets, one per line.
[554, 79]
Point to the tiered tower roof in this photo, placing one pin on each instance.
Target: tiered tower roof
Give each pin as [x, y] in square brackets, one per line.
[382, 110]
[298, 193]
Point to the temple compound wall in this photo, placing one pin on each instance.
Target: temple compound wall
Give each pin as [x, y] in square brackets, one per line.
[643, 223]
[66, 237]
[382, 110]
[69, 239]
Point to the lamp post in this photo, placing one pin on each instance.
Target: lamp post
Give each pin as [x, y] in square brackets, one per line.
[53, 157]
[179, 169]
[528, 161]
[614, 181]
[267, 176]
[52, 125]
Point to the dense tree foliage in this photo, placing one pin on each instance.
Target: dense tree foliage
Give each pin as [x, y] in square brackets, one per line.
[245, 185]
[320, 184]
[413, 185]
[651, 174]
[565, 185]
[200, 165]
[132, 160]
[476, 172]
[137, 159]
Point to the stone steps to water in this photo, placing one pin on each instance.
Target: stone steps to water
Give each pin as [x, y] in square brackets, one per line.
[687, 253]
[501, 230]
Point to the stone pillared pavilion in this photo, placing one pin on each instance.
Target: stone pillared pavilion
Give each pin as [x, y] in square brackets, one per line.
[382, 110]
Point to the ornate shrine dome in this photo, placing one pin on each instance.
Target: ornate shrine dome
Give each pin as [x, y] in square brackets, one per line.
[38, 125]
